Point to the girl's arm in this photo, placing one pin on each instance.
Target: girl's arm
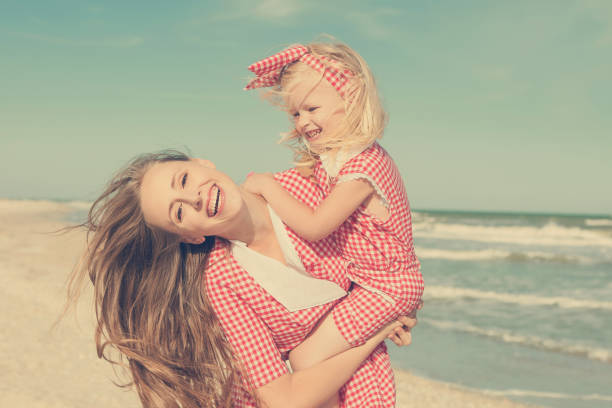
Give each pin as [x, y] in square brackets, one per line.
[310, 224]
[315, 385]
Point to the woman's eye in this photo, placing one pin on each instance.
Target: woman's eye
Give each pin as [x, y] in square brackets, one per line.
[179, 213]
[312, 109]
[184, 180]
[296, 114]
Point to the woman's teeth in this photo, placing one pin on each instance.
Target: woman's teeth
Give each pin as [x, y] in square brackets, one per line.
[213, 202]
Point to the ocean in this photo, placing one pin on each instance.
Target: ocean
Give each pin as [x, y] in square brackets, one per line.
[518, 305]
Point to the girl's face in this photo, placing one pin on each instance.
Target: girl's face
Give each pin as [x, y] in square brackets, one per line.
[316, 107]
[189, 198]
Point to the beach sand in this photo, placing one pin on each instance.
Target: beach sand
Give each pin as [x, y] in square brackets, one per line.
[45, 367]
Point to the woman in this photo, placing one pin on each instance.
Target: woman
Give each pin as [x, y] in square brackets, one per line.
[162, 224]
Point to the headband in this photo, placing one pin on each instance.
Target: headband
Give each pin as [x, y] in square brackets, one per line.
[269, 70]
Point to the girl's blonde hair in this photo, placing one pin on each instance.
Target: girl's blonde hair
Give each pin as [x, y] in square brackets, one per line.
[365, 118]
[150, 300]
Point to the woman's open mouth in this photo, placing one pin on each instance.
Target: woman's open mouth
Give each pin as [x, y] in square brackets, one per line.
[215, 201]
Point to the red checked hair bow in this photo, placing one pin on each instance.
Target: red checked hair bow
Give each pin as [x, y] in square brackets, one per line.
[268, 70]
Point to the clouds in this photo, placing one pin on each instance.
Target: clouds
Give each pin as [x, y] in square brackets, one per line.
[110, 42]
[600, 11]
[266, 10]
[275, 9]
[376, 23]
[371, 20]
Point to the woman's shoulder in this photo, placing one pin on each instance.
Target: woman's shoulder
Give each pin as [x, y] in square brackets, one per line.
[220, 261]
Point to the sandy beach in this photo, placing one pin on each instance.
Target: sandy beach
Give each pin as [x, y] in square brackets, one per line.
[45, 367]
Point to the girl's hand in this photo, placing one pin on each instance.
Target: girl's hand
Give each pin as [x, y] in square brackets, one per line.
[256, 182]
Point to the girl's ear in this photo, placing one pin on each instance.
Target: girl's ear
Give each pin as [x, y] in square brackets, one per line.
[206, 163]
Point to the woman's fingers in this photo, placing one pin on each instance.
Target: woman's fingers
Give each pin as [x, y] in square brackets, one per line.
[401, 337]
[399, 330]
[407, 321]
[395, 339]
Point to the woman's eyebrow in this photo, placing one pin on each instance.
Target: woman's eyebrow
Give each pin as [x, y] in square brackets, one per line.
[173, 181]
[170, 212]
[172, 184]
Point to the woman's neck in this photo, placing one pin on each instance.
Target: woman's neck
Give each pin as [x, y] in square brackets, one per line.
[254, 226]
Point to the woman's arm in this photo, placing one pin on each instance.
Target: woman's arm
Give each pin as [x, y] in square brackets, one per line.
[327, 341]
[312, 225]
[314, 386]
[254, 346]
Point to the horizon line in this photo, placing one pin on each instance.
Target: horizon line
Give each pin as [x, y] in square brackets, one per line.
[432, 210]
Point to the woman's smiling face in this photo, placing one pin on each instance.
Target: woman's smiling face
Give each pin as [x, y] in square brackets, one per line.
[189, 198]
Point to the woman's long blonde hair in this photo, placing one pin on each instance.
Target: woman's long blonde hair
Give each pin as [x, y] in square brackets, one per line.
[365, 118]
[150, 300]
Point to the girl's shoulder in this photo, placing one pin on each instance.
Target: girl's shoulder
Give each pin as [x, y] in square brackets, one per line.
[372, 160]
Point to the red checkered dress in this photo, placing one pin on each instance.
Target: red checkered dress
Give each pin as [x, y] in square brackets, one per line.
[262, 331]
[380, 253]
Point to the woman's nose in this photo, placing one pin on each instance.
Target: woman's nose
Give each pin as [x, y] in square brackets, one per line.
[194, 199]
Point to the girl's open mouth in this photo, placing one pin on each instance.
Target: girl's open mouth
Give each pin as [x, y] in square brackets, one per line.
[313, 134]
[215, 201]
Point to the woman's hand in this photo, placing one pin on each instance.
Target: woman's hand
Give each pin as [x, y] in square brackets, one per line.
[401, 334]
[399, 330]
[256, 182]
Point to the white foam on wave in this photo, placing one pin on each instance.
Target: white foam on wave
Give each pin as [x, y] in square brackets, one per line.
[479, 255]
[528, 393]
[592, 353]
[599, 222]
[543, 394]
[449, 292]
[498, 254]
[550, 234]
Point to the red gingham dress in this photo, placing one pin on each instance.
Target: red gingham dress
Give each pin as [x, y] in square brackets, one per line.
[261, 331]
[380, 254]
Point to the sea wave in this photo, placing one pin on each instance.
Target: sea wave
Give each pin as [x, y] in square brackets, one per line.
[592, 353]
[448, 292]
[550, 234]
[598, 222]
[499, 254]
[543, 394]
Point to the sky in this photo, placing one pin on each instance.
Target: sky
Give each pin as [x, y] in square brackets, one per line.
[493, 105]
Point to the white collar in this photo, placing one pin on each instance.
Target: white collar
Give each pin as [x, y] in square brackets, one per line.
[289, 284]
[332, 163]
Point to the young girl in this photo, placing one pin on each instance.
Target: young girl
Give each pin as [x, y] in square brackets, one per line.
[331, 96]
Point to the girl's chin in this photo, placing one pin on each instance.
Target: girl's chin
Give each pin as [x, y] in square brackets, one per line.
[315, 144]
